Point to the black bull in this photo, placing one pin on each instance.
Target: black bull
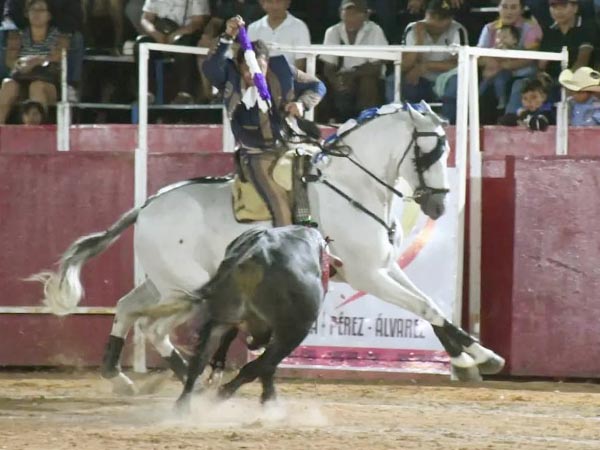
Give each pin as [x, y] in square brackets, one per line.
[271, 285]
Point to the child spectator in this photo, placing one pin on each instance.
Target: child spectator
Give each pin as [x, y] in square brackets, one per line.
[32, 113]
[431, 76]
[507, 37]
[281, 27]
[584, 105]
[356, 82]
[537, 112]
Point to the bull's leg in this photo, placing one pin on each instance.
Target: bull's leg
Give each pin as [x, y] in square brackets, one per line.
[209, 339]
[461, 346]
[139, 298]
[282, 344]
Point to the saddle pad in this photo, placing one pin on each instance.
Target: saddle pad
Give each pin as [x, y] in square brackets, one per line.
[248, 205]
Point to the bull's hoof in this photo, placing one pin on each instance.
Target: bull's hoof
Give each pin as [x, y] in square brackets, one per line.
[465, 374]
[123, 386]
[183, 406]
[491, 366]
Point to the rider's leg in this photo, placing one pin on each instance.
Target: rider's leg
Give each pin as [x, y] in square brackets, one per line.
[260, 167]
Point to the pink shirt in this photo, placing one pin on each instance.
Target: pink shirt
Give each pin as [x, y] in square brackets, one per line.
[531, 34]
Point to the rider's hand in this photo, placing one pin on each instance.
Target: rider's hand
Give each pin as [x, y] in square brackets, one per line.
[233, 26]
[295, 109]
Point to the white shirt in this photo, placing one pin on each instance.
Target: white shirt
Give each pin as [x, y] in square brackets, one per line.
[292, 31]
[179, 11]
[369, 34]
[455, 34]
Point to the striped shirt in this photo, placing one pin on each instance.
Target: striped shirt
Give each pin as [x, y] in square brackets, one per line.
[44, 48]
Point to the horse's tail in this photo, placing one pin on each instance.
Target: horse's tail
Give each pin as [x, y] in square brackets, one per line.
[63, 289]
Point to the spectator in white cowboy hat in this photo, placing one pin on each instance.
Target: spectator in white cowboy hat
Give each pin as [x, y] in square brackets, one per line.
[583, 85]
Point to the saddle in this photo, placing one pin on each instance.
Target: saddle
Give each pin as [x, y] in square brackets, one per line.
[248, 205]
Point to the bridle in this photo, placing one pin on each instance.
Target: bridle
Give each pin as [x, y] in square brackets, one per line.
[422, 161]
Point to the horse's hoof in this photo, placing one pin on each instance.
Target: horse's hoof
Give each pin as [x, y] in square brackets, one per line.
[465, 374]
[123, 386]
[491, 366]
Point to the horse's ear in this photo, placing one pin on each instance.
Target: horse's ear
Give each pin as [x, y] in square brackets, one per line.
[419, 119]
[437, 120]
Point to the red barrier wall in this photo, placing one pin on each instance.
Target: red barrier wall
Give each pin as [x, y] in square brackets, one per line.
[538, 237]
[539, 265]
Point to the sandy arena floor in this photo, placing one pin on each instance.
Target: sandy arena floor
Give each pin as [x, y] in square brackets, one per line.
[52, 411]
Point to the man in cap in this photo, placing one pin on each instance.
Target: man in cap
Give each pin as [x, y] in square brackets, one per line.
[356, 82]
[568, 30]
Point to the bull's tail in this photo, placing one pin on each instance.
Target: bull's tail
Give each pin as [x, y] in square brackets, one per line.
[63, 289]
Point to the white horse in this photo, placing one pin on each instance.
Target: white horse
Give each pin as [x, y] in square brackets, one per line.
[182, 232]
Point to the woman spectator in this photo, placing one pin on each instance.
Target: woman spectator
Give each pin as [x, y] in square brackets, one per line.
[511, 13]
[34, 56]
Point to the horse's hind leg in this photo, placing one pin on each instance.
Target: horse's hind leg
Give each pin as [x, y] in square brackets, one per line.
[139, 298]
[217, 362]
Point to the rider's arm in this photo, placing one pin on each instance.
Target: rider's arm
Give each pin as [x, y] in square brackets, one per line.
[309, 89]
[215, 66]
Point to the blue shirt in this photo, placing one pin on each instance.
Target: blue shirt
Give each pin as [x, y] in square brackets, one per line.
[584, 114]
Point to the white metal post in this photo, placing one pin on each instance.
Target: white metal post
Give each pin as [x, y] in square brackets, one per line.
[140, 191]
[562, 114]
[474, 200]
[63, 109]
[461, 164]
[311, 69]
[398, 79]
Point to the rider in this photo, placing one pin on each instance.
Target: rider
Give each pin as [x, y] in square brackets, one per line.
[258, 132]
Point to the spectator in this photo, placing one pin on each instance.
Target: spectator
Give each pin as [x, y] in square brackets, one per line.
[537, 112]
[431, 76]
[177, 22]
[510, 13]
[355, 82]
[493, 74]
[568, 30]
[279, 26]
[32, 113]
[101, 16]
[133, 12]
[68, 18]
[33, 56]
[583, 86]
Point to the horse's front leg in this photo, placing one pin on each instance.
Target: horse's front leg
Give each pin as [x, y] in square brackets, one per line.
[454, 338]
[383, 285]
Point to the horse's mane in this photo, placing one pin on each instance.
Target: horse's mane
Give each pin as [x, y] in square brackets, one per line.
[369, 115]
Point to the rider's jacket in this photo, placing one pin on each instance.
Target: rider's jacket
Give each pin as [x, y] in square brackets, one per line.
[251, 127]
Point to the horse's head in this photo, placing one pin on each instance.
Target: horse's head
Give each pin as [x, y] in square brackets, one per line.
[423, 163]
